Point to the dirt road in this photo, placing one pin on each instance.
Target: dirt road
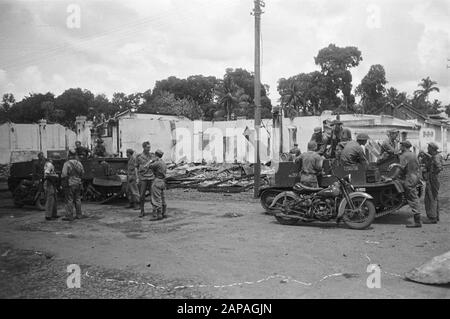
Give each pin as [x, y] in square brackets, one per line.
[211, 245]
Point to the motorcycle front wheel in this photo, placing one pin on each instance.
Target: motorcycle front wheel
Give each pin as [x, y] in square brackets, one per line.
[362, 216]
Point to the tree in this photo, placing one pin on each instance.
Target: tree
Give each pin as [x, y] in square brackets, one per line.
[427, 86]
[335, 63]
[372, 90]
[8, 101]
[74, 102]
[394, 97]
[228, 95]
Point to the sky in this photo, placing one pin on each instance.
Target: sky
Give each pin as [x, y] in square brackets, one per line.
[125, 46]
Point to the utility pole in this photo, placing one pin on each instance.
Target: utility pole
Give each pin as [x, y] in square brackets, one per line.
[257, 168]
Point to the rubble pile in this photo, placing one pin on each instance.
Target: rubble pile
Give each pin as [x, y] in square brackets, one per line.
[228, 178]
[4, 171]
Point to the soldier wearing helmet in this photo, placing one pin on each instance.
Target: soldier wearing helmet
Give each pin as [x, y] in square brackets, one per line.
[99, 149]
[432, 162]
[321, 140]
[389, 147]
[311, 163]
[353, 153]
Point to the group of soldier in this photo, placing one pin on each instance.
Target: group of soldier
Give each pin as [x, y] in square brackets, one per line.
[337, 145]
[146, 172]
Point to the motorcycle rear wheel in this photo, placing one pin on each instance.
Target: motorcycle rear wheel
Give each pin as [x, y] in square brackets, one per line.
[367, 209]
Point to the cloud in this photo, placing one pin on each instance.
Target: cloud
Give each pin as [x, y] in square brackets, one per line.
[128, 45]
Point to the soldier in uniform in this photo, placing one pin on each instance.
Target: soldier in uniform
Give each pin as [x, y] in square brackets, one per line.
[132, 176]
[433, 162]
[50, 184]
[71, 175]
[294, 152]
[311, 166]
[389, 147]
[38, 167]
[338, 134]
[145, 174]
[158, 166]
[81, 151]
[353, 152]
[409, 175]
[321, 140]
[99, 149]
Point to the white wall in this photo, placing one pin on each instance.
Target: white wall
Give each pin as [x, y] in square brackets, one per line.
[22, 142]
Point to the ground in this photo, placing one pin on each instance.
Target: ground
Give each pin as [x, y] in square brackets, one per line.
[211, 245]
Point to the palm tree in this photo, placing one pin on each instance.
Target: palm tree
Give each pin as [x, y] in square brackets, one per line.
[292, 99]
[427, 87]
[227, 93]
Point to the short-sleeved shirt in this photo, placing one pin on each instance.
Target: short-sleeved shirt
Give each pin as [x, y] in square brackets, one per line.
[352, 154]
[142, 165]
[311, 163]
[74, 171]
[159, 168]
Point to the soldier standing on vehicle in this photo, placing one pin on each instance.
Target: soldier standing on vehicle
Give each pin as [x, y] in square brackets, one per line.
[158, 166]
[71, 176]
[50, 188]
[81, 151]
[338, 134]
[132, 187]
[294, 152]
[320, 139]
[38, 167]
[409, 174]
[433, 166]
[99, 149]
[145, 175]
[389, 147]
[311, 166]
[353, 153]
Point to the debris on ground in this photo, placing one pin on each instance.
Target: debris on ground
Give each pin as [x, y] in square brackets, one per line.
[217, 178]
[435, 271]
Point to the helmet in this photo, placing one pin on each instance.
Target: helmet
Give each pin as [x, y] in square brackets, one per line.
[362, 137]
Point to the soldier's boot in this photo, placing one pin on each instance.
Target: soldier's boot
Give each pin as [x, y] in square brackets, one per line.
[417, 222]
[164, 210]
[157, 215]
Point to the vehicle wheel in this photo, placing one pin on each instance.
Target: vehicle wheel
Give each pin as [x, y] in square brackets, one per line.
[286, 220]
[40, 202]
[267, 198]
[363, 216]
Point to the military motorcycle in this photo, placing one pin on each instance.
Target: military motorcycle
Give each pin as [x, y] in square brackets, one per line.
[30, 192]
[339, 202]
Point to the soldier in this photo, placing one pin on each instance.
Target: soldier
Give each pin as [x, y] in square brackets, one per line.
[50, 184]
[433, 166]
[38, 167]
[338, 134]
[158, 166]
[99, 149]
[409, 174]
[145, 174]
[81, 151]
[132, 187]
[353, 152]
[311, 166]
[321, 140]
[71, 175]
[294, 152]
[389, 147]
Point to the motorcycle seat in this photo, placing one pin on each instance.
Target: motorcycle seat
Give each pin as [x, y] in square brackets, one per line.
[306, 189]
